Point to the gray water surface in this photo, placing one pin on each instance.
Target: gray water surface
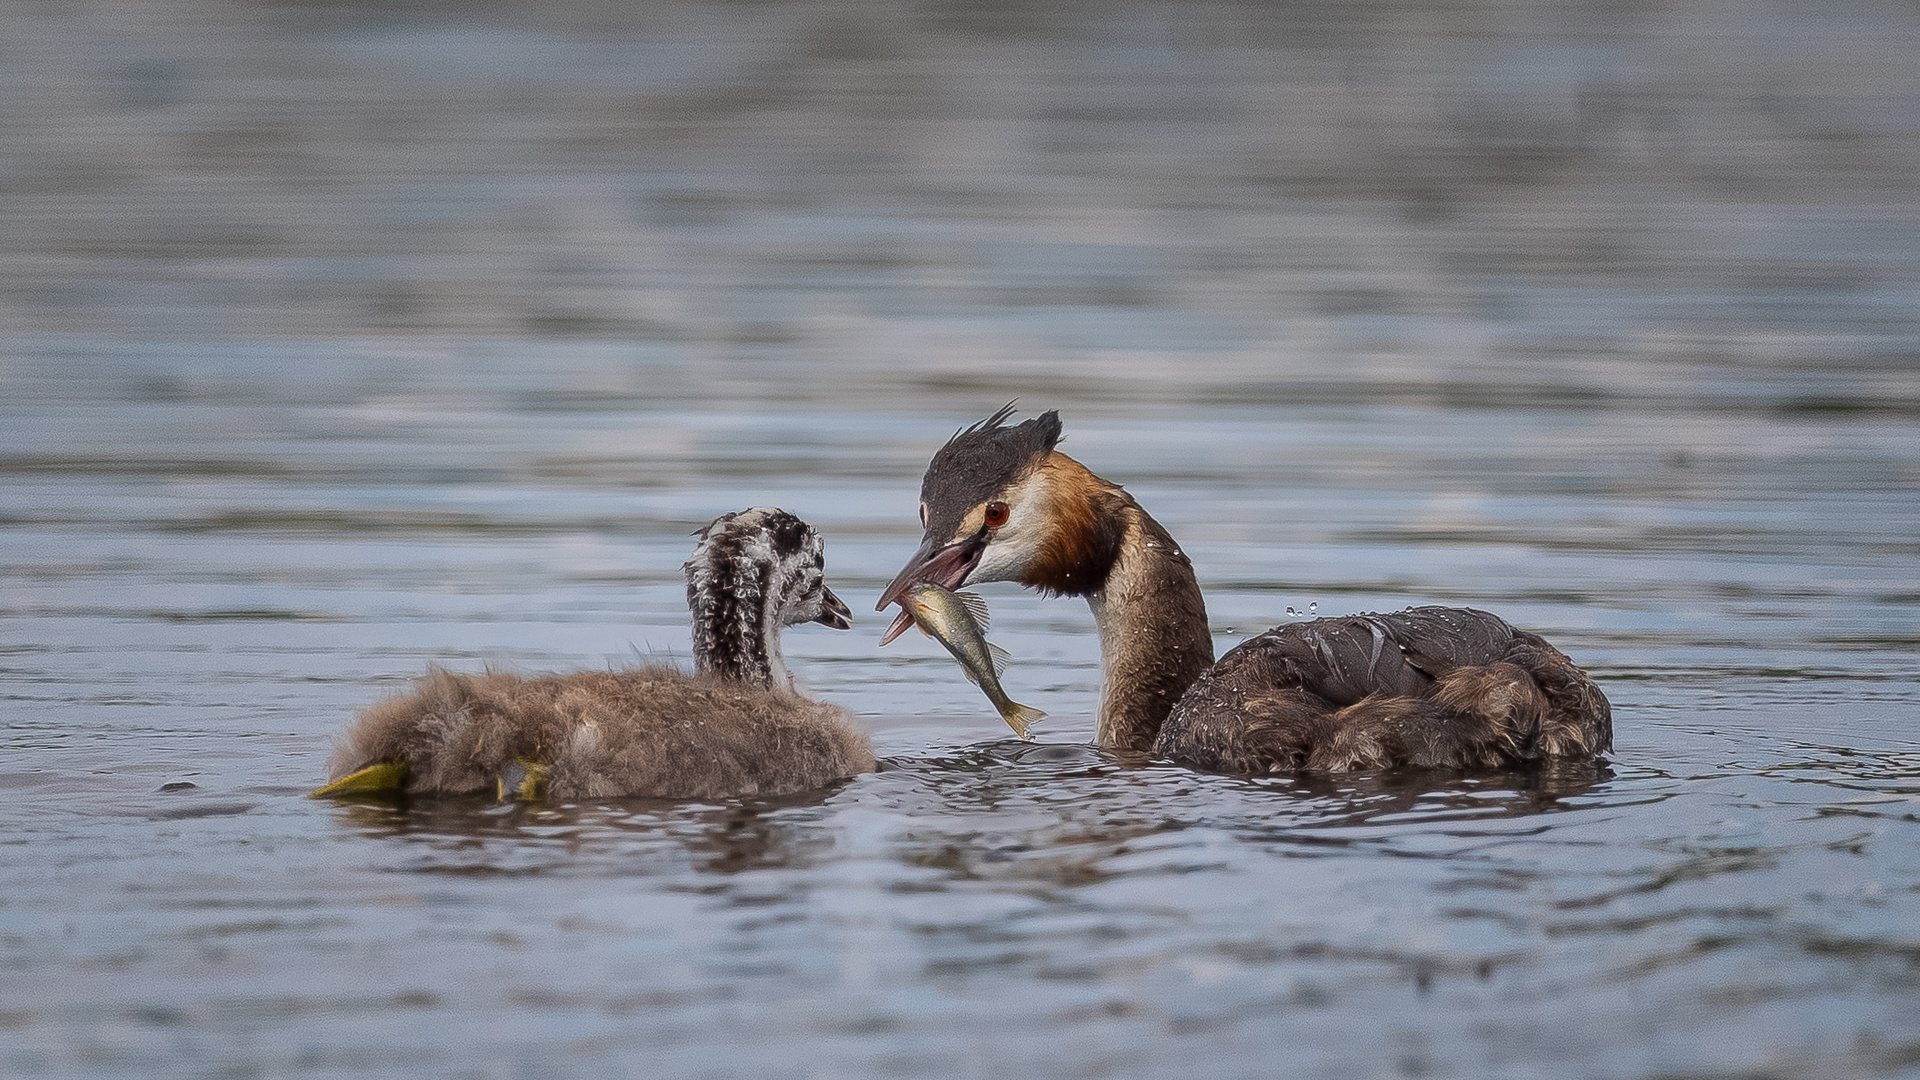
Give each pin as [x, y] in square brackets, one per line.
[340, 340]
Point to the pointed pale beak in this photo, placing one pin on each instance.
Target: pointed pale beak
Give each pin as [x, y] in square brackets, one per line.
[945, 565]
[834, 612]
[900, 624]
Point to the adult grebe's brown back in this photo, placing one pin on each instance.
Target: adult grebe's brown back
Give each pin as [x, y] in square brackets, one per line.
[1430, 686]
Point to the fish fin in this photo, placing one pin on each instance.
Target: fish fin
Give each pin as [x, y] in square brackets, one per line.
[999, 657]
[976, 607]
[379, 778]
[1021, 719]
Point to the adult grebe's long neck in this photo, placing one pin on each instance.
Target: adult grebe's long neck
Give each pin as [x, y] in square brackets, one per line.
[1154, 640]
[735, 632]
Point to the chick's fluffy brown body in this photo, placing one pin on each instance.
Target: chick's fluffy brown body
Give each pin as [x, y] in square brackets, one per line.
[733, 727]
[652, 731]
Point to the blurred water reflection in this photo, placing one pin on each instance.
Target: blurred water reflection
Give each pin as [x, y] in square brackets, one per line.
[340, 338]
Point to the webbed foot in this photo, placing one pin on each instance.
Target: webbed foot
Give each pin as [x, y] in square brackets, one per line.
[524, 780]
[380, 778]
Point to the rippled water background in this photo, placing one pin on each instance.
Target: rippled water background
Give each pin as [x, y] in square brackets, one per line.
[337, 339]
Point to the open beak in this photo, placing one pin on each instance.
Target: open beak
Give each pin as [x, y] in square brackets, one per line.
[834, 612]
[900, 624]
[945, 565]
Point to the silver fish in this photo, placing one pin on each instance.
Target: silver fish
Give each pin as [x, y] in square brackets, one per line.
[959, 622]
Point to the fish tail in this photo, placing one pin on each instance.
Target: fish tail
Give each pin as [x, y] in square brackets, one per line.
[1021, 718]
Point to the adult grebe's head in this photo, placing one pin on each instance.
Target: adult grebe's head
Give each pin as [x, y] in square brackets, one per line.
[751, 573]
[999, 503]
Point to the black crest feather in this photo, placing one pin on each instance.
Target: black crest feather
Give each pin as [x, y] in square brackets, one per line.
[984, 459]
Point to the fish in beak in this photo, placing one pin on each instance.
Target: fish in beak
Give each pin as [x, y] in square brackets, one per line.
[966, 497]
[944, 564]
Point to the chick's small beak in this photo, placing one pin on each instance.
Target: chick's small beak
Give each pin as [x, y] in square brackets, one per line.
[834, 612]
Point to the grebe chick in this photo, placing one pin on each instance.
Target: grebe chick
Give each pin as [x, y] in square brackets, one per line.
[736, 726]
[1430, 686]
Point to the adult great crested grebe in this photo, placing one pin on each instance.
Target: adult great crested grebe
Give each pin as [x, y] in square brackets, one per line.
[1429, 686]
[736, 726]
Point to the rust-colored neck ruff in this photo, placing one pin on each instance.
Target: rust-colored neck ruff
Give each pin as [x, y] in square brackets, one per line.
[1086, 525]
[1154, 640]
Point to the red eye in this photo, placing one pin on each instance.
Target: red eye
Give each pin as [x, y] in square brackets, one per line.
[996, 514]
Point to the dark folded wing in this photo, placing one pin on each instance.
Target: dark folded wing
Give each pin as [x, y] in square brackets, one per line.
[1346, 658]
